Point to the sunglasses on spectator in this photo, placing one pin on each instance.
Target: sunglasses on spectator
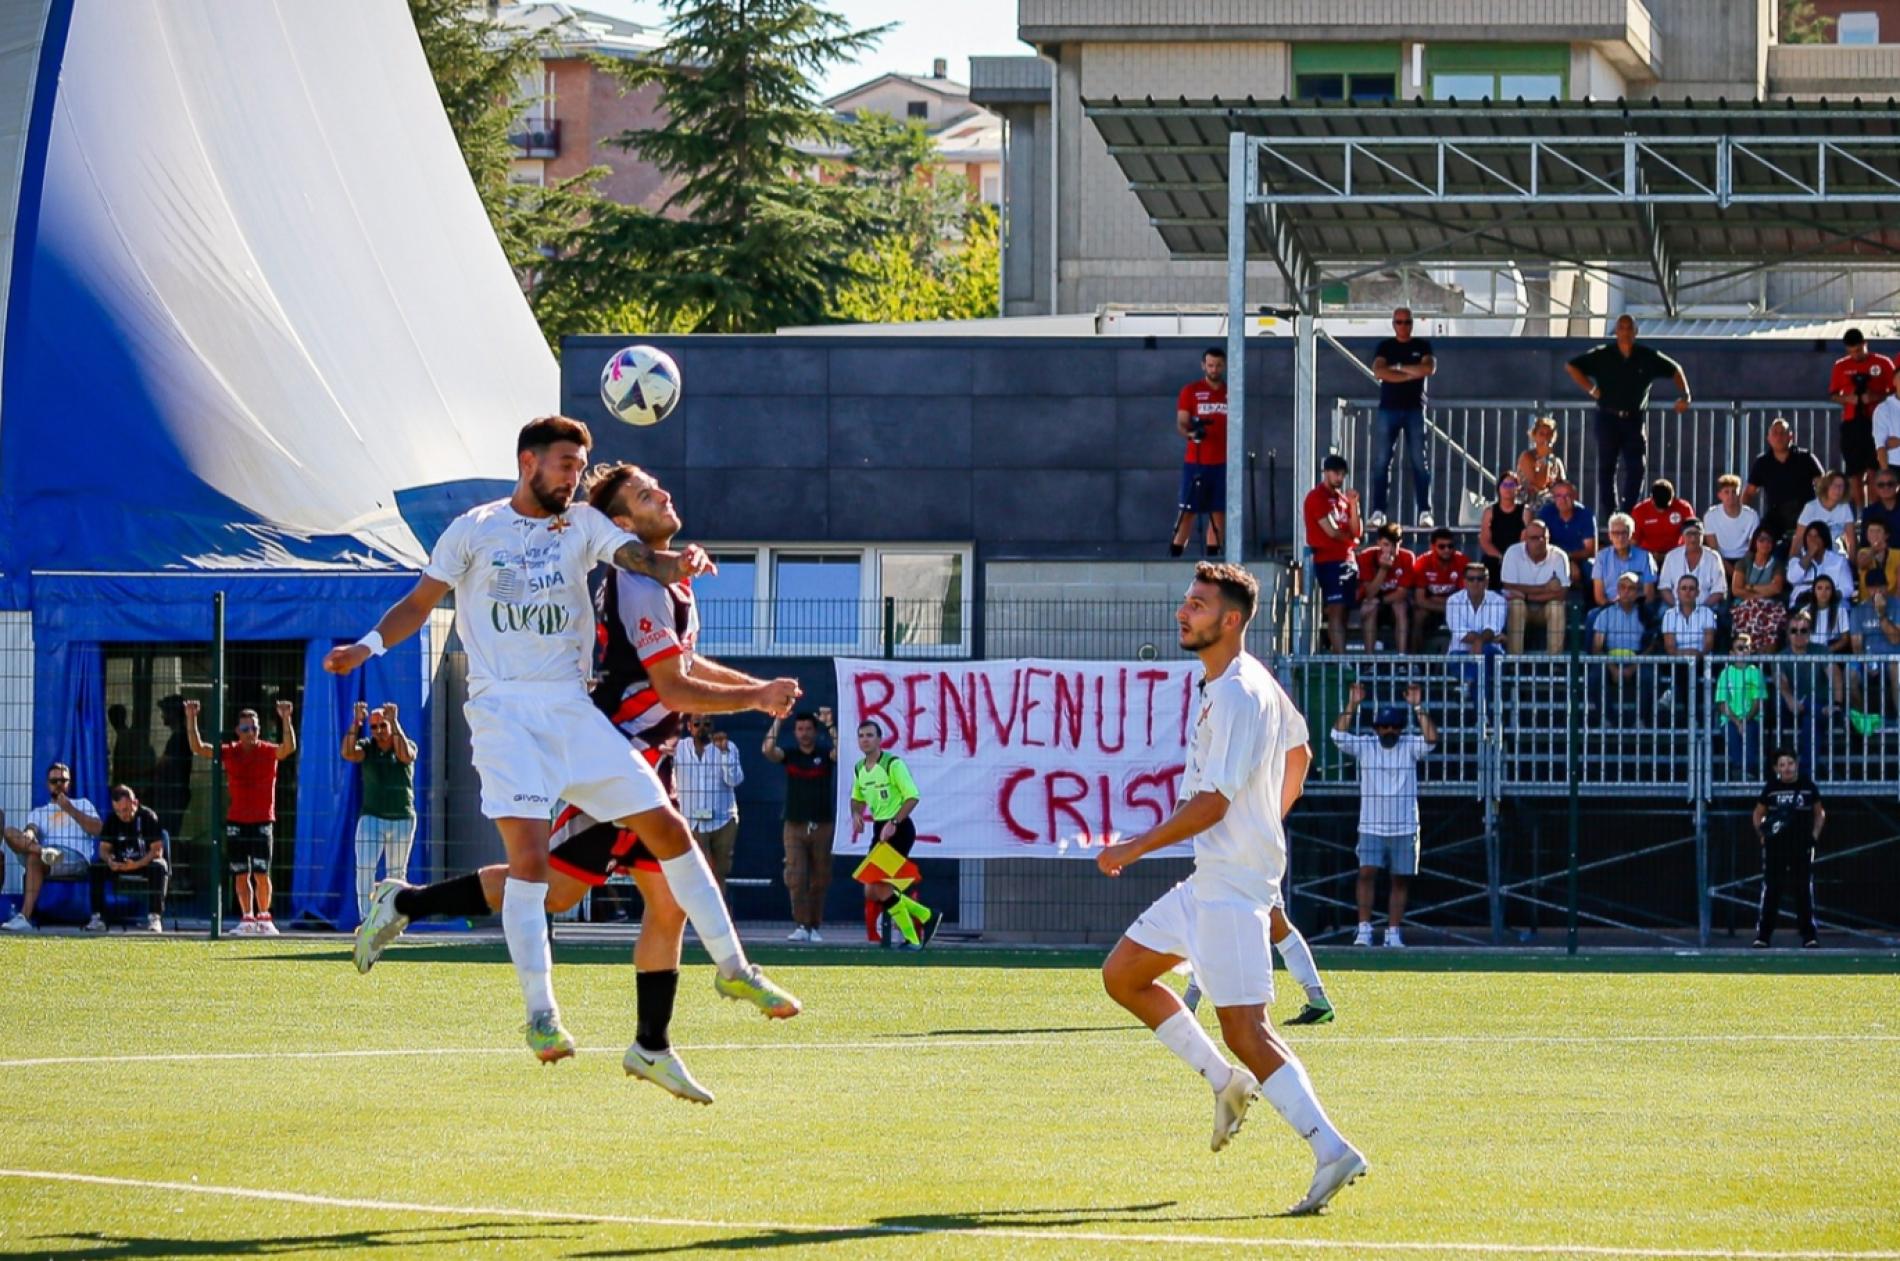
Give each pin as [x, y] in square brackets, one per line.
[1887, 483]
[1477, 577]
[379, 726]
[1507, 485]
[1800, 630]
[1401, 323]
[247, 726]
[58, 779]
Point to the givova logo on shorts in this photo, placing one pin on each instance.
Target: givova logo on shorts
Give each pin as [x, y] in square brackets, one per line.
[537, 619]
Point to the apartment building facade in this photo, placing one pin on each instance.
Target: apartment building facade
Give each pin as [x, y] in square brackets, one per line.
[1075, 237]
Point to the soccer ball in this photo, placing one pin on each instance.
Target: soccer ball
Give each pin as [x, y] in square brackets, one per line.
[640, 385]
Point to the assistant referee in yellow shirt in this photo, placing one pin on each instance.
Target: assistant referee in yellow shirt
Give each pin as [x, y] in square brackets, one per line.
[882, 788]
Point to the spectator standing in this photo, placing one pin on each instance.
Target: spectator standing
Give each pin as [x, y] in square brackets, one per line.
[1536, 579]
[57, 839]
[171, 788]
[1333, 530]
[1200, 415]
[1740, 693]
[1830, 508]
[1402, 363]
[386, 824]
[1437, 575]
[1573, 530]
[1783, 476]
[1878, 557]
[1659, 519]
[250, 819]
[1385, 573]
[131, 844]
[1758, 588]
[706, 768]
[1860, 382]
[1621, 557]
[1885, 505]
[1816, 556]
[1539, 468]
[1620, 634]
[1618, 375]
[811, 813]
[1693, 560]
[1502, 525]
[1388, 800]
[1731, 523]
[1789, 818]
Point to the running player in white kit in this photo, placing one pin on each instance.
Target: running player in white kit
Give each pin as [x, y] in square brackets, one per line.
[519, 570]
[1246, 767]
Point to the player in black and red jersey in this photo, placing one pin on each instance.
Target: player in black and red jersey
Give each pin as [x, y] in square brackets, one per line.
[647, 673]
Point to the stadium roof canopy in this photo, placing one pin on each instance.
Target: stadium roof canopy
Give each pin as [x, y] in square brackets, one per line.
[1634, 190]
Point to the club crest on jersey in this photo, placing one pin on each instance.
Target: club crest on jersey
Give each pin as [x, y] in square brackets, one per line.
[559, 525]
[646, 624]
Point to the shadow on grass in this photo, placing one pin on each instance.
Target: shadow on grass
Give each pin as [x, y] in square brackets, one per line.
[106, 1246]
[894, 1228]
[569, 951]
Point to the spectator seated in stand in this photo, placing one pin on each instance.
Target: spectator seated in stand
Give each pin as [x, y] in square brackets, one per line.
[1833, 624]
[1540, 468]
[1875, 687]
[1758, 592]
[1878, 556]
[132, 849]
[1501, 526]
[1573, 531]
[1740, 695]
[1831, 508]
[1816, 556]
[1620, 558]
[1808, 688]
[1621, 634]
[1693, 560]
[1688, 634]
[1536, 580]
[1730, 525]
[1437, 575]
[1476, 618]
[55, 843]
[1659, 521]
[1885, 504]
[1385, 574]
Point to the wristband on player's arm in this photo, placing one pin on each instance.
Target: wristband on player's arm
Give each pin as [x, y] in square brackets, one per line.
[374, 642]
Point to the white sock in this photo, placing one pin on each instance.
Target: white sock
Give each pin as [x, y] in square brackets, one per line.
[1183, 1035]
[524, 922]
[1299, 963]
[1290, 1091]
[694, 889]
[366, 854]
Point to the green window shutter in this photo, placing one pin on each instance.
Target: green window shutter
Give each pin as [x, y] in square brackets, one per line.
[1345, 58]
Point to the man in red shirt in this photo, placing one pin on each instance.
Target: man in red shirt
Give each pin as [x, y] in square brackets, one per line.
[1385, 578]
[1200, 414]
[1437, 575]
[1860, 381]
[1659, 520]
[250, 770]
[1331, 514]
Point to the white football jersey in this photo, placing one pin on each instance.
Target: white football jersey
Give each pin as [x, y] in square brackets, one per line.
[522, 606]
[1245, 726]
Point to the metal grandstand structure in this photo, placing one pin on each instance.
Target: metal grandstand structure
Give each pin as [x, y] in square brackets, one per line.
[1635, 192]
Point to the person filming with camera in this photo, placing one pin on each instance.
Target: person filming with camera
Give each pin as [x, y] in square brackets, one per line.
[1200, 415]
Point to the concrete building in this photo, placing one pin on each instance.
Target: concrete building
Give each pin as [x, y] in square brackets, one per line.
[1074, 236]
[1861, 22]
[968, 138]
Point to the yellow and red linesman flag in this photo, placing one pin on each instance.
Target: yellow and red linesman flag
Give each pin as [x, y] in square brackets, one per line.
[884, 864]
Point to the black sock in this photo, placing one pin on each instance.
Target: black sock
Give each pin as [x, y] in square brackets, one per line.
[653, 997]
[461, 896]
[1175, 549]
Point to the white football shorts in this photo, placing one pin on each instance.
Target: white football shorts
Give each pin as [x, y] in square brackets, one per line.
[1227, 941]
[535, 748]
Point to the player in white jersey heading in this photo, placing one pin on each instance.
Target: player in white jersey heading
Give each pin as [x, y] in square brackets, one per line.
[1246, 767]
[519, 569]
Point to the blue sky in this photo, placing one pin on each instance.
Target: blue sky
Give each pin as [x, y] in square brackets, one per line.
[952, 29]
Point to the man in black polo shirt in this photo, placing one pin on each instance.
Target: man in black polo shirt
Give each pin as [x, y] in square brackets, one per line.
[1784, 476]
[1618, 375]
[1789, 817]
[1402, 362]
[131, 843]
[811, 812]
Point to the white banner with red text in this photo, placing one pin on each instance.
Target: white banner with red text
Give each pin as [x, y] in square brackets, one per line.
[1025, 758]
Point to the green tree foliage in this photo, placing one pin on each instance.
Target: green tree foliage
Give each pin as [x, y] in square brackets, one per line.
[761, 240]
[1800, 24]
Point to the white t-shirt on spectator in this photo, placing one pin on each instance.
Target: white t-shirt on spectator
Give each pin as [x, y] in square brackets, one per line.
[1801, 575]
[1521, 569]
[1730, 535]
[62, 832]
[1887, 427]
[1461, 619]
[1688, 628]
[1708, 571]
[1837, 519]
[1388, 780]
[1832, 623]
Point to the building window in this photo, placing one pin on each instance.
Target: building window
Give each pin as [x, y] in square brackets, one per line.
[917, 109]
[924, 595]
[1858, 28]
[1498, 72]
[1346, 72]
[817, 601]
[728, 604]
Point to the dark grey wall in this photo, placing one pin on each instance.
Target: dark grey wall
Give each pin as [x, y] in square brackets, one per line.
[1032, 447]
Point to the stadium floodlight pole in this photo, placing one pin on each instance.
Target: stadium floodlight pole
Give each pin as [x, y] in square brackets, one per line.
[217, 765]
[1573, 723]
[1239, 185]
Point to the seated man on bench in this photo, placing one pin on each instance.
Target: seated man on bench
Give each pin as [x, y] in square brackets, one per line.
[56, 842]
[131, 847]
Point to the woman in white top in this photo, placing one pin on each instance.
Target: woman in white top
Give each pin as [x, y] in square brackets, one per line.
[1831, 619]
[1834, 511]
[1816, 557]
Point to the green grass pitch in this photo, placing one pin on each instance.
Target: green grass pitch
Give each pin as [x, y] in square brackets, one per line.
[963, 1104]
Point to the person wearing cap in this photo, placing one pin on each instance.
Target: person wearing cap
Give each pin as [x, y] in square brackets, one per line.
[1860, 382]
[1693, 560]
[1618, 375]
[1333, 528]
[1388, 760]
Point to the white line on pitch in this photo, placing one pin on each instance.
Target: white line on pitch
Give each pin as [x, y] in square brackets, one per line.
[1018, 1233]
[964, 1044]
